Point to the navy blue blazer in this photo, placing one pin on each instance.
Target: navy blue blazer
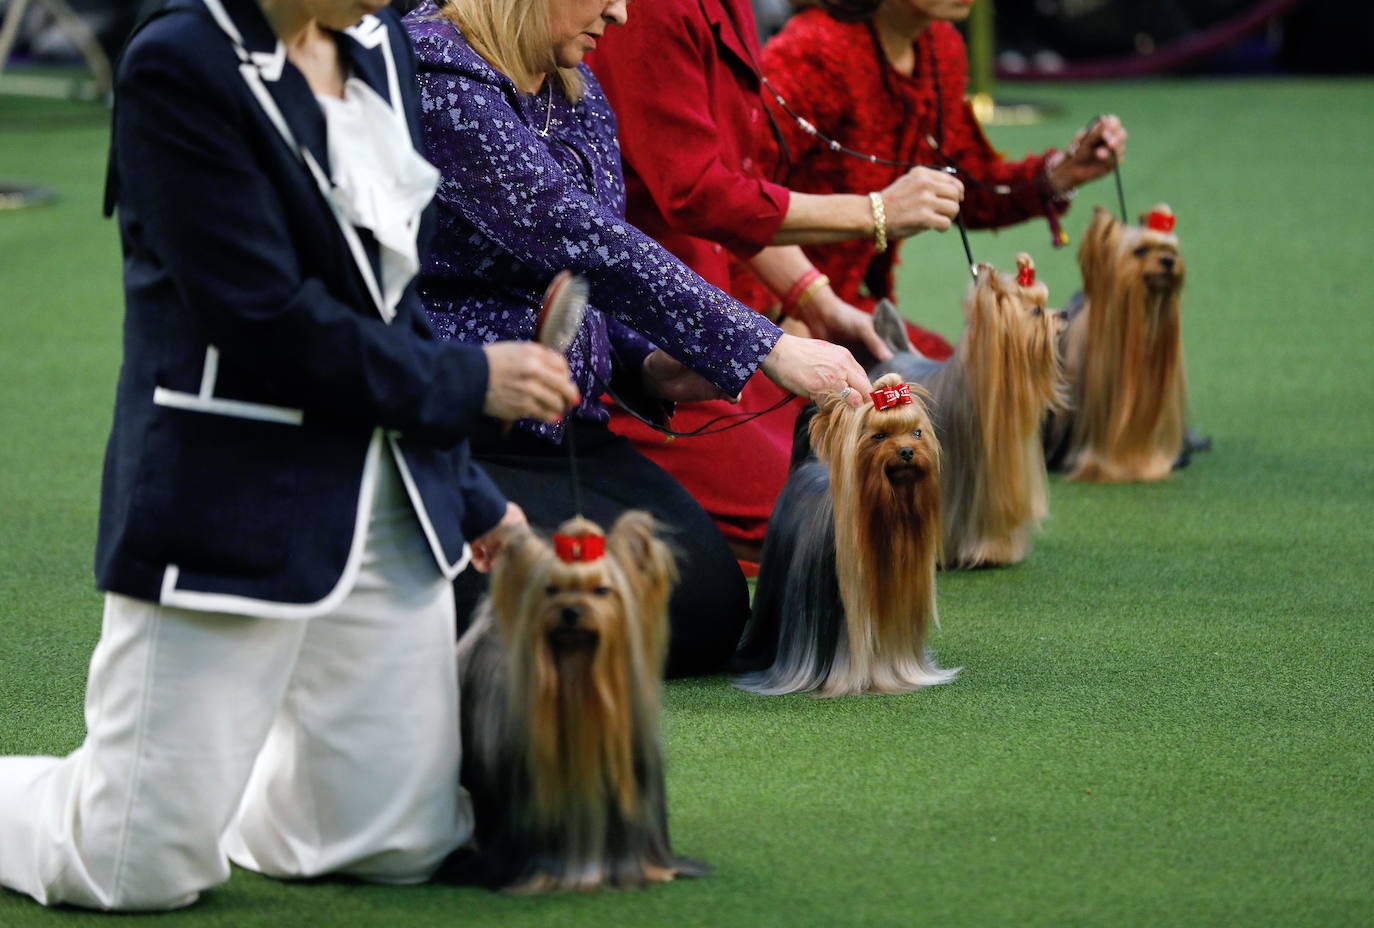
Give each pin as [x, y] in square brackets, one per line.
[264, 378]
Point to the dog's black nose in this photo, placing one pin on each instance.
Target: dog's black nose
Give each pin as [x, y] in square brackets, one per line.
[570, 615]
[906, 454]
[1167, 261]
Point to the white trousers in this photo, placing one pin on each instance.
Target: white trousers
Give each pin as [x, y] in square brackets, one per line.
[296, 748]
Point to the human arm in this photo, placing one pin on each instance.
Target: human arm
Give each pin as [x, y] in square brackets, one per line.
[697, 181]
[1092, 153]
[500, 179]
[919, 200]
[825, 314]
[811, 100]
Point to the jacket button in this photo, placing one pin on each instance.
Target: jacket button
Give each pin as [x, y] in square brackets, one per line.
[715, 248]
[747, 163]
[754, 114]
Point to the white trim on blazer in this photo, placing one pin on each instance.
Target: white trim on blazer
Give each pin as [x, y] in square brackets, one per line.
[259, 67]
[450, 570]
[206, 401]
[171, 595]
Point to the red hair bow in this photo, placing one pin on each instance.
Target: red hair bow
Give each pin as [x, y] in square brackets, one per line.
[1161, 222]
[888, 397]
[574, 548]
[1025, 276]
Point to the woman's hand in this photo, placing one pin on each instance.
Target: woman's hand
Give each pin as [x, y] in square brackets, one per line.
[1089, 155]
[921, 199]
[669, 379]
[486, 548]
[810, 367]
[527, 381]
[831, 318]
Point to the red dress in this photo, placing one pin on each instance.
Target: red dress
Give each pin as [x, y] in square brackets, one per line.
[835, 75]
[682, 77]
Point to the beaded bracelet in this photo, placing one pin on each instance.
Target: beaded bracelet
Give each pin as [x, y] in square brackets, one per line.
[875, 201]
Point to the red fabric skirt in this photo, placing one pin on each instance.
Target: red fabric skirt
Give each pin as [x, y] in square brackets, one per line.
[735, 475]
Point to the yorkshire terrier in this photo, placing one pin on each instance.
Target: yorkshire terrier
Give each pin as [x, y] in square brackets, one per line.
[1123, 354]
[846, 587]
[561, 674]
[989, 402]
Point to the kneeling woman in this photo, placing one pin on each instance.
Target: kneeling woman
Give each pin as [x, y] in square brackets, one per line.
[532, 184]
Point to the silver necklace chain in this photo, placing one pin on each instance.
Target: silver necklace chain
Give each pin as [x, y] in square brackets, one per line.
[548, 110]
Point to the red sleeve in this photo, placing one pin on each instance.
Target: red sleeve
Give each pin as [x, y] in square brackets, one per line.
[655, 71]
[967, 146]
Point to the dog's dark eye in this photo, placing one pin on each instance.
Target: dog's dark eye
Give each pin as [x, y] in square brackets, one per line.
[880, 436]
[1142, 251]
[601, 591]
[916, 433]
[1037, 310]
[550, 590]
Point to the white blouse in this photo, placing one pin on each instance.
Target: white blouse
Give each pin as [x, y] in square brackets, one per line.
[380, 182]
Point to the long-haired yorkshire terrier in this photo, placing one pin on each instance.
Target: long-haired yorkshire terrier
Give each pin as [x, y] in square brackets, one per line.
[846, 587]
[1123, 354]
[989, 402]
[561, 674]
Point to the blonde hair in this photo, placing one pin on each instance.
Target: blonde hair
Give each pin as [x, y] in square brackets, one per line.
[513, 37]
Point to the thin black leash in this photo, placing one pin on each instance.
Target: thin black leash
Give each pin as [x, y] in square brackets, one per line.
[571, 442]
[706, 427]
[1120, 194]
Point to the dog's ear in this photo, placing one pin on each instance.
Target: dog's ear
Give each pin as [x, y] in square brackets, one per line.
[830, 409]
[635, 541]
[1097, 250]
[891, 328]
[523, 555]
[647, 561]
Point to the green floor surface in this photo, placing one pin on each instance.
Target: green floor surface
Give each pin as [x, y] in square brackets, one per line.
[1164, 717]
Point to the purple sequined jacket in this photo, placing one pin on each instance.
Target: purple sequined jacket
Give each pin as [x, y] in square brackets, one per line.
[518, 203]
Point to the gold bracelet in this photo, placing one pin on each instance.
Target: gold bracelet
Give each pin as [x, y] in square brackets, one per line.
[809, 293]
[875, 201]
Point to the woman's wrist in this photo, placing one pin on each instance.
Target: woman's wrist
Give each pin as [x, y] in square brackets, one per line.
[799, 300]
[879, 210]
[1057, 175]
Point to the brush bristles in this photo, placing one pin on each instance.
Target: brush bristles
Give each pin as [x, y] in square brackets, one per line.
[568, 789]
[1126, 356]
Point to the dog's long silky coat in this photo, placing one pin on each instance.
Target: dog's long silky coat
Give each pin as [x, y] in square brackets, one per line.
[561, 674]
[846, 588]
[1123, 355]
[989, 402]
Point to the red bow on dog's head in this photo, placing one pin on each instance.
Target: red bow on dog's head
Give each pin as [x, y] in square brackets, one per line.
[572, 549]
[1160, 221]
[899, 395]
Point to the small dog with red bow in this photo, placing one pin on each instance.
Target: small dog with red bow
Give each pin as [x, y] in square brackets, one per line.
[846, 587]
[1123, 353]
[989, 402]
[561, 674]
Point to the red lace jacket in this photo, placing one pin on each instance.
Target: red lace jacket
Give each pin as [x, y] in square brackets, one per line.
[834, 75]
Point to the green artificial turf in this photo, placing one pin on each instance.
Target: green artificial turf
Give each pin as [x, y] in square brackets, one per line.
[1164, 716]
